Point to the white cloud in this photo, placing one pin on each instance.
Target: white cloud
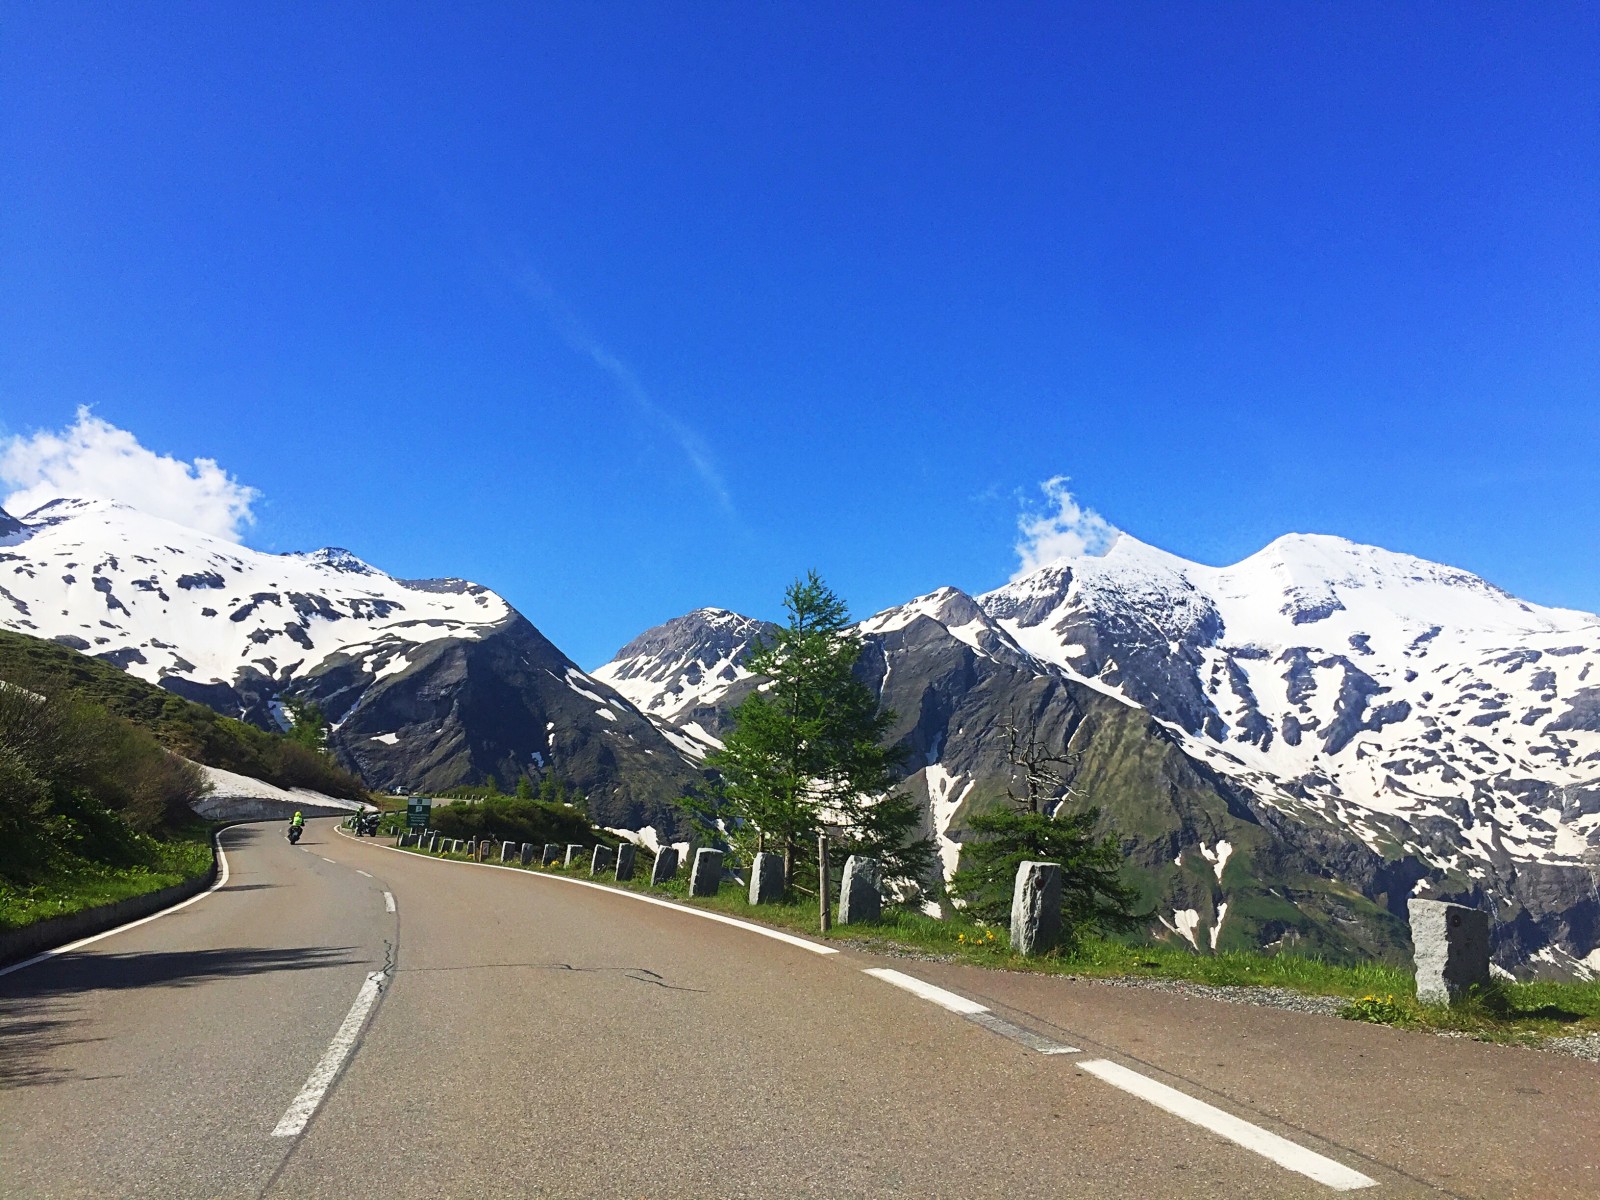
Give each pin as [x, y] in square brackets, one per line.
[93, 459]
[1065, 529]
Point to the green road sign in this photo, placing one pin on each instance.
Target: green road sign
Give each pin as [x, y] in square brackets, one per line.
[418, 810]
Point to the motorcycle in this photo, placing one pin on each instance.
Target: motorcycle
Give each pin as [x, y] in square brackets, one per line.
[294, 834]
[367, 824]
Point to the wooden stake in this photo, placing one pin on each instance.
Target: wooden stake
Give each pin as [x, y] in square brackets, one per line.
[824, 892]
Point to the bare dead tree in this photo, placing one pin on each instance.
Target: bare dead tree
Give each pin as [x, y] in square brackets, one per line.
[1038, 779]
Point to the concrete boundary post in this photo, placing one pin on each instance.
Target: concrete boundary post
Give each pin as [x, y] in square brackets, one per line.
[705, 875]
[527, 853]
[766, 878]
[1036, 907]
[573, 851]
[625, 853]
[552, 854]
[600, 861]
[859, 896]
[666, 866]
[1450, 946]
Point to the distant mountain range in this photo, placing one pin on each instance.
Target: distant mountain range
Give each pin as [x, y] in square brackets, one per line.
[1289, 747]
[429, 683]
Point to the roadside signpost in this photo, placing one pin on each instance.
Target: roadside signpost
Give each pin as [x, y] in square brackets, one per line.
[418, 811]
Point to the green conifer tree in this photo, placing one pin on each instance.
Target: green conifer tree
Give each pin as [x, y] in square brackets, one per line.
[806, 751]
[1036, 826]
[308, 725]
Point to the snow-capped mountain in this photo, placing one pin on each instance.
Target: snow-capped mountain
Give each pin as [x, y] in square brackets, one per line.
[1346, 679]
[429, 683]
[1290, 746]
[198, 614]
[687, 673]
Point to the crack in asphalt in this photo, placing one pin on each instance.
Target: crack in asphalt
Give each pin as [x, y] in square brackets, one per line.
[637, 974]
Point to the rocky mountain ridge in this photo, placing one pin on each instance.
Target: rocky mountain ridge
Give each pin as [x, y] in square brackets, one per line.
[1289, 747]
[1330, 728]
[428, 683]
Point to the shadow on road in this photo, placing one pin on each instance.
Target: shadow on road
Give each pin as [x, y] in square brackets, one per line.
[37, 1016]
[30, 1032]
[165, 968]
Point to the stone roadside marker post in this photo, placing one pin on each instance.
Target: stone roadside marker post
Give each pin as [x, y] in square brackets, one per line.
[666, 866]
[601, 861]
[705, 876]
[552, 854]
[528, 851]
[1450, 945]
[625, 862]
[766, 879]
[506, 850]
[572, 853]
[859, 897]
[1036, 907]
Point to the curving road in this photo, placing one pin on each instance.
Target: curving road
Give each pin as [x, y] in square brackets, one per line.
[343, 1020]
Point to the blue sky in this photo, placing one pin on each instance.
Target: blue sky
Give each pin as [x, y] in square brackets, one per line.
[626, 309]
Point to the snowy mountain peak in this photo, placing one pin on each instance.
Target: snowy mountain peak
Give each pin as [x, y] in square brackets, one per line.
[339, 559]
[679, 672]
[1319, 671]
[198, 613]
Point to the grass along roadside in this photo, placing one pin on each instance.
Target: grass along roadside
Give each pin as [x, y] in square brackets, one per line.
[75, 884]
[1514, 1013]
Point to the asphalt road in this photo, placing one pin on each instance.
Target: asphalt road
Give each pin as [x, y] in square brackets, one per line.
[531, 1037]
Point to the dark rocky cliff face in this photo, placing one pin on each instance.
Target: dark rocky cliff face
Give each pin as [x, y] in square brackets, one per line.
[508, 704]
[1174, 818]
[1208, 854]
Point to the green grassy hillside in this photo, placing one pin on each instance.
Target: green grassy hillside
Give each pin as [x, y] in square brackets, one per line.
[182, 726]
[95, 789]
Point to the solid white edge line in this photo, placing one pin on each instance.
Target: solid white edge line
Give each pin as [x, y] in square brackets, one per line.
[221, 880]
[322, 1076]
[1285, 1153]
[936, 995]
[775, 934]
[388, 902]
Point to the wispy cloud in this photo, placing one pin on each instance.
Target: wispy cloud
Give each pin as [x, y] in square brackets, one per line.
[1063, 529]
[578, 337]
[93, 459]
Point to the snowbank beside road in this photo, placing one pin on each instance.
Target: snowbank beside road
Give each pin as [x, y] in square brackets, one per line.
[239, 798]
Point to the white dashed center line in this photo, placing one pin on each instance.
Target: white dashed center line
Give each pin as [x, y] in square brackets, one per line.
[977, 1013]
[388, 902]
[322, 1077]
[1252, 1137]
[936, 995]
[364, 873]
[1270, 1146]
